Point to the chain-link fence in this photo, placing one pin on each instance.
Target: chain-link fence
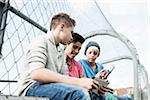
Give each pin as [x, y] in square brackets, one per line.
[22, 20]
[25, 19]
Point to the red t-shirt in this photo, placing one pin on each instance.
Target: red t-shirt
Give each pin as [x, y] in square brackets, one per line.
[75, 69]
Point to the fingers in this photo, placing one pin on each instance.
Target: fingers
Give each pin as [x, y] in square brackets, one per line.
[107, 89]
[103, 74]
[90, 84]
[107, 82]
[106, 74]
[101, 89]
[94, 86]
[101, 93]
[95, 82]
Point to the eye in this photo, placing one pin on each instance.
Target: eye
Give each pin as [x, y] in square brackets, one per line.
[72, 32]
[75, 47]
[79, 48]
[95, 53]
[90, 52]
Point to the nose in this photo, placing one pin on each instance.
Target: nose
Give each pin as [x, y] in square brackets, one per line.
[71, 38]
[70, 41]
[92, 54]
[77, 51]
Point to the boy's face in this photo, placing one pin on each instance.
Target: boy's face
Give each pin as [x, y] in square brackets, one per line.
[73, 49]
[66, 35]
[92, 53]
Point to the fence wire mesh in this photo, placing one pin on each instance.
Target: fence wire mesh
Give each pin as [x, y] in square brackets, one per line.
[19, 32]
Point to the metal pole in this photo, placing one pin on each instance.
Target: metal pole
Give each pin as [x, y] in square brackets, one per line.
[15, 11]
[13, 81]
[134, 56]
[3, 18]
[116, 59]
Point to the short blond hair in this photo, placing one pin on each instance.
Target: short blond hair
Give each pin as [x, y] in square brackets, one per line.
[61, 17]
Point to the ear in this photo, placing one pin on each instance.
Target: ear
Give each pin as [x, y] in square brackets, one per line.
[61, 26]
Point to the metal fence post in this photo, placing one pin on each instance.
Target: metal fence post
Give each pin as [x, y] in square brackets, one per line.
[3, 17]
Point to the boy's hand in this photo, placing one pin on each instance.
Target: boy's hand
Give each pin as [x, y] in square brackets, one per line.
[103, 89]
[88, 83]
[103, 74]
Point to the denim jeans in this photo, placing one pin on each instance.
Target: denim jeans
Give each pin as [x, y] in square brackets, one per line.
[58, 91]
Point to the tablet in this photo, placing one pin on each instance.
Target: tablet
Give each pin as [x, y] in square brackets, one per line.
[101, 81]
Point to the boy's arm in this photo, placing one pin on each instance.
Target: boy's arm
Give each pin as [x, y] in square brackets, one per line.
[47, 76]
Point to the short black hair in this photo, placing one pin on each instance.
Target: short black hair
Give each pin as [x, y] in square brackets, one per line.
[77, 38]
